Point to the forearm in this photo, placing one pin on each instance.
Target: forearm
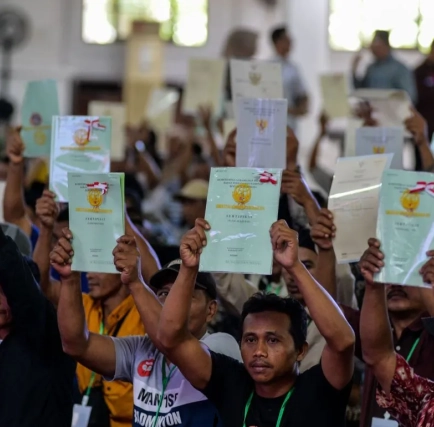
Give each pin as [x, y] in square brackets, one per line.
[13, 201]
[426, 156]
[71, 317]
[375, 334]
[311, 209]
[327, 316]
[152, 171]
[173, 325]
[314, 153]
[215, 155]
[326, 268]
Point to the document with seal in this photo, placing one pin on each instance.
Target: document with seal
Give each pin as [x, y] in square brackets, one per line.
[405, 225]
[79, 144]
[353, 201]
[96, 219]
[261, 133]
[242, 205]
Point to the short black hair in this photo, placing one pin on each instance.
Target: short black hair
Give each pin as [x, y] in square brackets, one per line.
[305, 240]
[33, 193]
[277, 34]
[383, 36]
[260, 302]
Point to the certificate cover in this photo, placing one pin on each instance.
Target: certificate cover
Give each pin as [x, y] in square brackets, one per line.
[353, 201]
[79, 144]
[261, 133]
[334, 88]
[161, 108]
[242, 205]
[96, 219]
[405, 225]
[39, 106]
[381, 140]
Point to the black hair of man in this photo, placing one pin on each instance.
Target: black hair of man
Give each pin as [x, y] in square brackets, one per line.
[277, 34]
[383, 36]
[305, 240]
[260, 302]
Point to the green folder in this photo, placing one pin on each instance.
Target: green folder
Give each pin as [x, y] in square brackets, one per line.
[96, 219]
[79, 144]
[39, 106]
[405, 225]
[242, 205]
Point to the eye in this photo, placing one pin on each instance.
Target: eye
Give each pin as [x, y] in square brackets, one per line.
[273, 340]
[249, 340]
[163, 294]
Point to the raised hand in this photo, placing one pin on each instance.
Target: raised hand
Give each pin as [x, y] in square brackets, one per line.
[127, 259]
[295, 186]
[291, 149]
[323, 231]
[418, 127]
[284, 242]
[205, 114]
[371, 261]
[192, 244]
[47, 209]
[15, 146]
[61, 255]
[230, 150]
[427, 270]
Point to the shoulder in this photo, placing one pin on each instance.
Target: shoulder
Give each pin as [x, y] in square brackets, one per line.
[400, 65]
[133, 344]
[224, 344]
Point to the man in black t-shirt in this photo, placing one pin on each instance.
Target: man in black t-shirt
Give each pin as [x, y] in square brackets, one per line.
[267, 389]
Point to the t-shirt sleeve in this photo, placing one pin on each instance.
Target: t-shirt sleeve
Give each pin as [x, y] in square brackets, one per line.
[126, 349]
[316, 378]
[223, 344]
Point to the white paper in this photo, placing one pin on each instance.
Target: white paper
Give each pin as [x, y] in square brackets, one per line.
[80, 416]
[381, 140]
[117, 111]
[255, 79]
[354, 201]
[2, 195]
[382, 422]
[161, 108]
[350, 136]
[334, 88]
[261, 133]
[204, 86]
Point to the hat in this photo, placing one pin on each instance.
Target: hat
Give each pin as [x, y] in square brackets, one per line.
[196, 189]
[19, 237]
[169, 273]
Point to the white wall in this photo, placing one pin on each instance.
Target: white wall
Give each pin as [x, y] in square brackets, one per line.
[56, 50]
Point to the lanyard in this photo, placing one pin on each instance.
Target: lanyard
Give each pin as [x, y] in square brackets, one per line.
[166, 379]
[85, 399]
[282, 408]
[412, 350]
[269, 289]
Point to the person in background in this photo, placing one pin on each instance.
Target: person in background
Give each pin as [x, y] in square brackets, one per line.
[193, 199]
[386, 72]
[401, 393]
[294, 89]
[36, 376]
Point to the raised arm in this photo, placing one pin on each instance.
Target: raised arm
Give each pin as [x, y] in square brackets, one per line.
[337, 356]
[14, 210]
[96, 352]
[178, 344]
[205, 113]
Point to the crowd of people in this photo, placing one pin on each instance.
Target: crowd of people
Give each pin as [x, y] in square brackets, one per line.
[161, 344]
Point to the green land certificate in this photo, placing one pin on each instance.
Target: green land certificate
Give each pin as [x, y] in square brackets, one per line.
[242, 205]
[405, 225]
[96, 219]
[40, 104]
[79, 144]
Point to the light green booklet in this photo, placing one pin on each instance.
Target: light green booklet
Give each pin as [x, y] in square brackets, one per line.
[96, 219]
[40, 104]
[79, 144]
[405, 225]
[242, 205]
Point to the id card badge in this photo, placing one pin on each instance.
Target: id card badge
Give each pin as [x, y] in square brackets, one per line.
[381, 422]
[81, 416]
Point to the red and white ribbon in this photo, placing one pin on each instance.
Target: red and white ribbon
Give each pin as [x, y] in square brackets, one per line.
[266, 177]
[424, 186]
[93, 124]
[103, 186]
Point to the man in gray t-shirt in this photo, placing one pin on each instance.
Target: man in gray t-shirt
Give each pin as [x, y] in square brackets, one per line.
[162, 396]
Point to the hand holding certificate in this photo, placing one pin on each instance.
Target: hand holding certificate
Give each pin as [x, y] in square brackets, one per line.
[242, 205]
[96, 219]
[353, 201]
[405, 225]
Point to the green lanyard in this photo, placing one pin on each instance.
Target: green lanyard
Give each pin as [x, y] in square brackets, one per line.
[412, 350]
[269, 289]
[166, 380]
[282, 408]
[85, 399]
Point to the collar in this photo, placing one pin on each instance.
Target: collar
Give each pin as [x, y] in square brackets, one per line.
[417, 325]
[117, 314]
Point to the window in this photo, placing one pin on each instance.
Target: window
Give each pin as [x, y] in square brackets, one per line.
[183, 22]
[352, 23]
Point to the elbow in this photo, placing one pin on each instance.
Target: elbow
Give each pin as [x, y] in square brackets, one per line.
[168, 337]
[345, 343]
[74, 349]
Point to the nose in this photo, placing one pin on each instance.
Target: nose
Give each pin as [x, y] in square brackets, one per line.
[261, 349]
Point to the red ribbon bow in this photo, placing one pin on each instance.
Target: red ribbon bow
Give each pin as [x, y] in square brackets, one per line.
[103, 186]
[93, 124]
[266, 177]
[424, 186]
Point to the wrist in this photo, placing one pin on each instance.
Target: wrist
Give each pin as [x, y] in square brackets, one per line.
[296, 268]
[46, 230]
[72, 279]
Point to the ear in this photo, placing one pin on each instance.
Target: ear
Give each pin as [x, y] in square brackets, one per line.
[212, 310]
[302, 352]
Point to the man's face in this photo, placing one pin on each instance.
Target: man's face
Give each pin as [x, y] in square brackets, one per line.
[401, 299]
[202, 309]
[5, 311]
[283, 45]
[102, 285]
[379, 49]
[267, 347]
[309, 259]
[193, 209]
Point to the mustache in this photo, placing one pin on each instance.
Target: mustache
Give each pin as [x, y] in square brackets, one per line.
[259, 363]
[396, 292]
